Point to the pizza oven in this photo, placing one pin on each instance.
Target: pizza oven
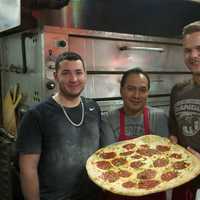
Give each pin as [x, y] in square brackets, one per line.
[29, 57]
[110, 36]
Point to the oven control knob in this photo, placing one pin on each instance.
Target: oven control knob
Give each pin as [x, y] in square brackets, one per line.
[61, 43]
[50, 85]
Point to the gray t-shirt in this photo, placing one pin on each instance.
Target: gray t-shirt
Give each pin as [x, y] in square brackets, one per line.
[134, 126]
[184, 118]
[184, 121]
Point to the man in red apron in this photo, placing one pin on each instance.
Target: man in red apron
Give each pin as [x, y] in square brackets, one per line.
[135, 118]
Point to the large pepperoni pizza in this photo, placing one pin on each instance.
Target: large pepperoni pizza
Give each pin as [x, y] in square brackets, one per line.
[142, 166]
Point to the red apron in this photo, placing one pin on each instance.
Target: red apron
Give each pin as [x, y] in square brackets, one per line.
[123, 136]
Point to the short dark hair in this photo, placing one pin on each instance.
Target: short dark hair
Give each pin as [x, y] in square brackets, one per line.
[191, 28]
[134, 71]
[68, 56]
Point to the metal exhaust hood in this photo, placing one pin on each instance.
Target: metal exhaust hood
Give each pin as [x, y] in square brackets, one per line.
[146, 17]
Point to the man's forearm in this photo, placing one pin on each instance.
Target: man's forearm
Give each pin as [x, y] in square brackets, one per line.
[30, 185]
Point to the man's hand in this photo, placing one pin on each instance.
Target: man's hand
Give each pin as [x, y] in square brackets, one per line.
[197, 154]
[173, 139]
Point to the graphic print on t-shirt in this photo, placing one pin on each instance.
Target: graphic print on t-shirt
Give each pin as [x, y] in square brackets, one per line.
[131, 130]
[188, 116]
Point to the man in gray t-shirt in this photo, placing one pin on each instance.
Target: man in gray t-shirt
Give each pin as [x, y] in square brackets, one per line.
[134, 126]
[135, 118]
[184, 115]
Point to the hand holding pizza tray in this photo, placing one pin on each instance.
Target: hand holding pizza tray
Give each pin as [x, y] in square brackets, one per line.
[141, 166]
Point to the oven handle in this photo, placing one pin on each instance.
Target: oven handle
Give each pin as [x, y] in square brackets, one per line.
[126, 48]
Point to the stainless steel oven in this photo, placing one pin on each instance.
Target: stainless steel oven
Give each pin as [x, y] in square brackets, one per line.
[28, 58]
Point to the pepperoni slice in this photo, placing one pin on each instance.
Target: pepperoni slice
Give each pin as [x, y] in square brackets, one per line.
[110, 176]
[128, 184]
[136, 164]
[147, 152]
[143, 151]
[126, 153]
[136, 156]
[169, 176]
[147, 174]
[145, 146]
[119, 161]
[124, 173]
[162, 148]
[180, 165]
[129, 146]
[176, 155]
[160, 162]
[103, 165]
[107, 155]
[148, 184]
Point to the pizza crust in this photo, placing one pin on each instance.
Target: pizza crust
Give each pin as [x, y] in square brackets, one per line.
[103, 169]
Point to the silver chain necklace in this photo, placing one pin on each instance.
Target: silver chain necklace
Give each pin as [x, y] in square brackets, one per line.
[82, 115]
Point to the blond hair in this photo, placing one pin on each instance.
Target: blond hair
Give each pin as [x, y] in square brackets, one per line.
[191, 28]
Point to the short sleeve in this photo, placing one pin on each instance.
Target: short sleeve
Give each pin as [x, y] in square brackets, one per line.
[159, 122]
[173, 125]
[29, 139]
[107, 135]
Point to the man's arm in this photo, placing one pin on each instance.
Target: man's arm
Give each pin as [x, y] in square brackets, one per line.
[197, 154]
[28, 164]
[172, 123]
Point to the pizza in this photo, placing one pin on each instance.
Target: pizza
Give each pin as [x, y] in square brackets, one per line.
[141, 166]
